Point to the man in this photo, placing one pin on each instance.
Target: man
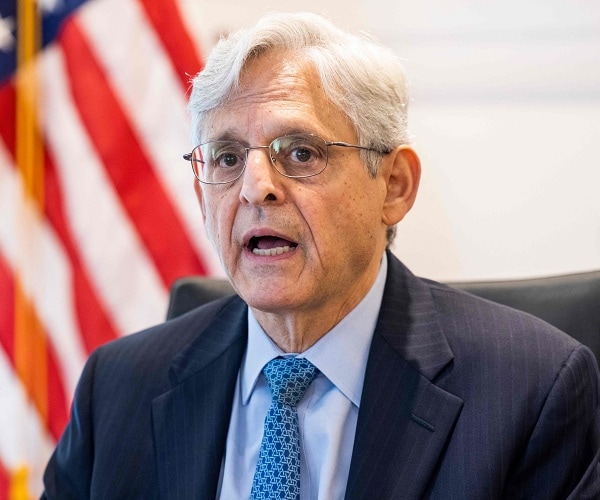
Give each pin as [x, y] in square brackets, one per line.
[416, 390]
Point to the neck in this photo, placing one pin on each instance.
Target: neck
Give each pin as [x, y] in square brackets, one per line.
[298, 330]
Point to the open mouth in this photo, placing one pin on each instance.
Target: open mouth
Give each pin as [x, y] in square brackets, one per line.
[270, 245]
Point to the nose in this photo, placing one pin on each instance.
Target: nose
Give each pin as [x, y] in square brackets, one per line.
[261, 183]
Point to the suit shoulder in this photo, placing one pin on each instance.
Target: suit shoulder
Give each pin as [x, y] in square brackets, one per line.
[161, 342]
[505, 352]
[500, 328]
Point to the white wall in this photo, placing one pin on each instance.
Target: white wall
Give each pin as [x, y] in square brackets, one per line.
[506, 118]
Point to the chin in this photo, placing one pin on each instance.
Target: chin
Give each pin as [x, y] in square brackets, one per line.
[267, 298]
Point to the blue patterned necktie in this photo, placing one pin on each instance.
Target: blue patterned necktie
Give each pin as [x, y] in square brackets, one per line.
[278, 469]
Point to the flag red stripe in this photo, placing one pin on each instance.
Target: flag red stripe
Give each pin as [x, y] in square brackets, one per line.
[7, 309]
[8, 117]
[93, 320]
[4, 482]
[57, 402]
[166, 20]
[141, 193]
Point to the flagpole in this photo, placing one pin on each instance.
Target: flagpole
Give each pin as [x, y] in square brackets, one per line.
[30, 343]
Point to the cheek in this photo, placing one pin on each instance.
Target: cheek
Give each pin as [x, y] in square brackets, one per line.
[220, 222]
[335, 223]
[212, 223]
[353, 206]
[359, 217]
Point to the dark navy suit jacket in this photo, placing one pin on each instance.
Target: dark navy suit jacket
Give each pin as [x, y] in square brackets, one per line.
[463, 399]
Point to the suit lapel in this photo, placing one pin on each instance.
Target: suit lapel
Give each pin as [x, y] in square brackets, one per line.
[191, 420]
[404, 419]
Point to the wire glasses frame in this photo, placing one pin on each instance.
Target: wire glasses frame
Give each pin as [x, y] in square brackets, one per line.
[295, 156]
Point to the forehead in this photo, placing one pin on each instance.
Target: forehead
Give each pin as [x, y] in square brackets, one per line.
[279, 93]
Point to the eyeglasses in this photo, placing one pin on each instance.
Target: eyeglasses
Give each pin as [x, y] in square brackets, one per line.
[296, 156]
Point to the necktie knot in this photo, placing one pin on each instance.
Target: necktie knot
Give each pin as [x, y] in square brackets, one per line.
[289, 378]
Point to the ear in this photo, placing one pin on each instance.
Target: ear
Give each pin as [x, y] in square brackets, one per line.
[402, 177]
[200, 196]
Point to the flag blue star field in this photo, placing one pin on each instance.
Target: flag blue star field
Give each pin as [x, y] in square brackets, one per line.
[97, 211]
[52, 20]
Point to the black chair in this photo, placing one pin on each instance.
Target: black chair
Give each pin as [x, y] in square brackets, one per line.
[569, 302]
[193, 291]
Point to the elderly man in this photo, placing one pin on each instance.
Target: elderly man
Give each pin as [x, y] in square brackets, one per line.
[336, 373]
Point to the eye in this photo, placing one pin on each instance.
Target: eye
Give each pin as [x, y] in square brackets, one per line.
[301, 150]
[228, 160]
[301, 154]
[226, 155]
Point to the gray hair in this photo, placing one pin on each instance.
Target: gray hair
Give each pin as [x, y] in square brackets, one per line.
[362, 78]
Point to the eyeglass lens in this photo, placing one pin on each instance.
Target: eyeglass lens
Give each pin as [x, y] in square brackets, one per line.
[219, 162]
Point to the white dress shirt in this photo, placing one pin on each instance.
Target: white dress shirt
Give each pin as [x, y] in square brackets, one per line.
[326, 415]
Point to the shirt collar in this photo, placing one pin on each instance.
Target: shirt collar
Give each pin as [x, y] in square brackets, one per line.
[340, 355]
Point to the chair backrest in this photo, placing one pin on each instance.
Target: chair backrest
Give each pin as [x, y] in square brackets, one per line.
[569, 302]
[193, 291]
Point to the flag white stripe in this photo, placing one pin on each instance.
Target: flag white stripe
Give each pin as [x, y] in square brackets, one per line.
[24, 441]
[193, 13]
[38, 260]
[116, 260]
[163, 126]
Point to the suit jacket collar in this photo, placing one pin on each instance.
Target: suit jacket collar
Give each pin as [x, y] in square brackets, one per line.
[405, 420]
[408, 321]
[192, 419]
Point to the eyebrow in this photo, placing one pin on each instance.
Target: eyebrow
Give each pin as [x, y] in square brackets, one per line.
[227, 135]
[231, 135]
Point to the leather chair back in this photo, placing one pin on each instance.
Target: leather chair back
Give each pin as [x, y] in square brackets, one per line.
[569, 302]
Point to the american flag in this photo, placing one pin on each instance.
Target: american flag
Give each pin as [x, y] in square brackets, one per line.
[97, 211]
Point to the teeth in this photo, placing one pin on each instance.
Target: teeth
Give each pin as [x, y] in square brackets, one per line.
[271, 252]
